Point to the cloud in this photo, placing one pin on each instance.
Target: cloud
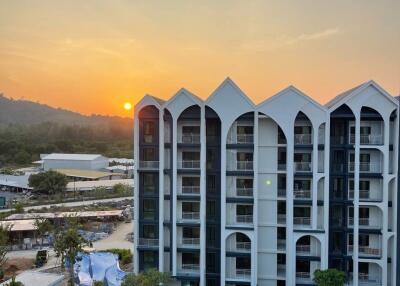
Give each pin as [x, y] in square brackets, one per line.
[285, 41]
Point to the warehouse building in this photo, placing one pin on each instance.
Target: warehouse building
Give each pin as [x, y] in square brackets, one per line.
[74, 161]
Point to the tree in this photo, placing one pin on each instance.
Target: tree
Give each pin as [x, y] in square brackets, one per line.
[4, 245]
[43, 226]
[329, 277]
[68, 243]
[14, 283]
[51, 182]
[148, 278]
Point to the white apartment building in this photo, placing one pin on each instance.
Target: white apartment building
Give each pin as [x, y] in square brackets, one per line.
[232, 193]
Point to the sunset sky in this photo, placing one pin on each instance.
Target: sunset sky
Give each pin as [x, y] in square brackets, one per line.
[91, 56]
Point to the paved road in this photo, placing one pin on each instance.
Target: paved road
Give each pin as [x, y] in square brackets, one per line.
[72, 204]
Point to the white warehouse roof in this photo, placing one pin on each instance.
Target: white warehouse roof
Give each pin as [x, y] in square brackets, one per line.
[36, 278]
[77, 157]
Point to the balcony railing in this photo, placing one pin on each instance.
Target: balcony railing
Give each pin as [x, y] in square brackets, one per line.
[365, 251]
[241, 139]
[302, 166]
[148, 164]
[281, 193]
[281, 166]
[239, 246]
[281, 244]
[148, 242]
[368, 139]
[244, 165]
[302, 194]
[190, 190]
[241, 274]
[366, 167]
[190, 215]
[367, 279]
[302, 139]
[302, 221]
[190, 268]
[303, 275]
[190, 241]
[189, 164]
[303, 249]
[247, 219]
[363, 194]
[281, 218]
[244, 192]
[190, 138]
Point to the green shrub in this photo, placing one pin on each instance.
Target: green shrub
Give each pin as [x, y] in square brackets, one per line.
[124, 255]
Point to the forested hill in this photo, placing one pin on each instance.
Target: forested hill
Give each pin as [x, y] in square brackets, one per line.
[28, 129]
[24, 112]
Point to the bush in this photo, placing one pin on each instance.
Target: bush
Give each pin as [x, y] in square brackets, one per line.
[98, 283]
[124, 255]
[329, 277]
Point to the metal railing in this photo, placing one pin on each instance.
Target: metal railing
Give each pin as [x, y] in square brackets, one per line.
[281, 218]
[189, 164]
[281, 192]
[244, 219]
[363, 194]
[148, 242]
[191, 215]
[303, 275]
[148, 164]
[190, 138]
[241, 139]
[303, 248]
[244, 192]
[367, 279]
[302, 139]
[190, 241]
[302, 221]
[243, 273]
[281, 166]
[190, 267]
[190, 189]
[302, 166]
[243, 245]
[366, 167]
[244, 165]
[364, 250]
[281, 244]
[368, 139]
[302, 194]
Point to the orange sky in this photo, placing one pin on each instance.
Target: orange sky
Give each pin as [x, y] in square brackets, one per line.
[91, 56]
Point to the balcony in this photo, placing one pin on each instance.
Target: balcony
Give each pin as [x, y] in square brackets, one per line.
[241, 139]
[189, 164]
[239, 246]
[244, 192]
[239, 274]
[302, 221]
[302, 139]
[281, 270]
[302, 194]
[366, 167]
[190, 190]
[189, 268]
[281, 219]
[148, 242]
[281, 244]
[148, 165]
[365, 251]
[190, 138]
[190, 216]
[244, 219]
[190, 242]
[302, 166]
[368, 139]
[303, 277]
[281, 193]
[281, 166]
[244, 165]
[369, 280]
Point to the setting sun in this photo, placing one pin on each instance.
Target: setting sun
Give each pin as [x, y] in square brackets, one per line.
[127, 106]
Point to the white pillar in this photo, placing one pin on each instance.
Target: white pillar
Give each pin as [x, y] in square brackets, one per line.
[315, 177]
[136, 193]
[203, 197]
[290, 242]
[356, 196]
[223, 201]
[173, 195]
[161, 192]
[325, 250]
[254, 260]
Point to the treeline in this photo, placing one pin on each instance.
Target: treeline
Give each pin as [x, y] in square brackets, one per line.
[22, 144]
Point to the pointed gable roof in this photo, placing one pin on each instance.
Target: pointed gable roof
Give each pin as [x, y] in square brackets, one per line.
[149, 100]
[180, 101]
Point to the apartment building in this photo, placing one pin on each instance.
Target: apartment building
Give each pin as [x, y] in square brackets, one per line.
[232, 193]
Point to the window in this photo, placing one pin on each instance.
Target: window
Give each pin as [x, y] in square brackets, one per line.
[241, 156]
[365, 130]
[211, 263]
[190, 207]
[149, 181]
[190, 258]
[191, 232]
[302, 185]
[211, 184]
[191, 181]
[243, 263]
[149, 260]
[149, 154]
[149, 231]
[302, 130]
[302, 212]
[244, 183]
[211, 236]
[149, 131]
[243, 130]
[191, 156]
[190, 130]
[211, 210]
[149, 209]
[244, 210]
[302, 157]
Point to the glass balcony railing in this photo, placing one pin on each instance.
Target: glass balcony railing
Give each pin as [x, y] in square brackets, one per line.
[189, 268]
[302, 166]
[368, 139]
[302, 221]
[190, 215]
[366, 167]
[246, 219]
[190, 190]
[244, 165]
[148, 164]
[189, 164]
[191, 241]
[281, 219]
[148, 242]
[244, 192]
[365, 251]
[302, 194]
[190, 138]
[302, 139]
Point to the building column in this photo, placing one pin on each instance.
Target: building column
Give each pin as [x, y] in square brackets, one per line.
[356, 197]
[173, 195]
[136, 192]
[223, 201]
[290, 242]
[254, 254]
[203, 197]
[161, 192]
[315, 178]
[325, 250]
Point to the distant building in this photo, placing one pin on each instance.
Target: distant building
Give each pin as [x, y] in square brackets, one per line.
[74, 161]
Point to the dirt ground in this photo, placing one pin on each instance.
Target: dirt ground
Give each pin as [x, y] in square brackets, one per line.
[14, 266]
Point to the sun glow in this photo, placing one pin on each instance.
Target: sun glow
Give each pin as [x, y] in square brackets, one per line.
[127, 106]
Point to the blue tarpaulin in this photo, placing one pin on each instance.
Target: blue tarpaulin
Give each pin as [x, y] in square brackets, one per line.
[99, 266]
